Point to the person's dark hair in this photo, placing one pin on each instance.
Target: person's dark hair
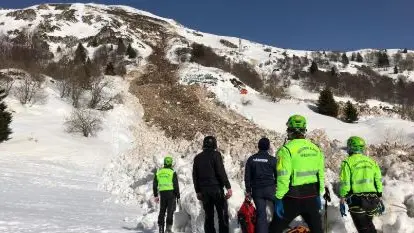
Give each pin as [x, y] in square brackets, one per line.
[210, 142]
[264, 144]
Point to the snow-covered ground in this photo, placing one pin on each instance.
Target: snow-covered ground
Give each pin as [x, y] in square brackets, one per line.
[50, 179]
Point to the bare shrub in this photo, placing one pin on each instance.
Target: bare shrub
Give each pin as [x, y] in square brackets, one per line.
[64, 88]
[83, 121]
[6, 83]
[101, 56]
[77, 85]
[97, 86]
[407, 63]
[30, 89]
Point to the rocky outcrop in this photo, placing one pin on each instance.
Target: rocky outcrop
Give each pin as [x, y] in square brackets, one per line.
[28, 14]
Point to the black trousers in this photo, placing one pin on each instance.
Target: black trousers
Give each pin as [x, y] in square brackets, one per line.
[360, 208]
[167, 204]
[262, 197]
[363, 223]
[214, 198]
[307, 208]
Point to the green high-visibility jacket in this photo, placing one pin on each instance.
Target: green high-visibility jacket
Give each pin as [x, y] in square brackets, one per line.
[165, 179]
[359, 174]
[300, 162]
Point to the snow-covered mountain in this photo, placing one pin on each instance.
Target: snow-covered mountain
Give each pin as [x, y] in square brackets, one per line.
[161, 113]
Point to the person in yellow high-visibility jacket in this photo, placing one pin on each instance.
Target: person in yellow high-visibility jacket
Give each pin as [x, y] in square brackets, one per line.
[300, 179]
[166, 183]
[360, 186]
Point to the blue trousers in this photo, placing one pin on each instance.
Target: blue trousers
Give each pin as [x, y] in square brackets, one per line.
[262, 197]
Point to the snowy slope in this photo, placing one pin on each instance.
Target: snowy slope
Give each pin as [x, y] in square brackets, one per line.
[50, 179]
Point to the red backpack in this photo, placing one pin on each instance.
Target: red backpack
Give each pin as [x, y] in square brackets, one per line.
[247, 216]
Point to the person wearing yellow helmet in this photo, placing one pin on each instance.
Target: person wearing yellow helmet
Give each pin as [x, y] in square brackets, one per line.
[300, 179]
[360, 186]
[166, 184]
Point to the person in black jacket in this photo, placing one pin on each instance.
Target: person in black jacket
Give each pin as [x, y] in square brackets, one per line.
[166, 183]
[260, 181]
[209, 177]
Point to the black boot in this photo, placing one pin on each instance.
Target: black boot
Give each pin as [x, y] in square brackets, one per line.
[169, 229]
[161, 227]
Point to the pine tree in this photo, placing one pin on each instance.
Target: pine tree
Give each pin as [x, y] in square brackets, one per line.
[5, 119]
[359, 58]
[382, 59]
[131, 52]
[326, 103]
[59, 49]
[333, 71]
[351, 113]
[121, 50]
[405, 51]
[313, 68]
[80, 54]
[94, 42]
[345, 59]
[110, 69]
[395, 70]
[353, 57]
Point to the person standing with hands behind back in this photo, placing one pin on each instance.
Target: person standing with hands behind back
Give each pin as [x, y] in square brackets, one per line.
[209, 178]
[260, 182]
[166, 183]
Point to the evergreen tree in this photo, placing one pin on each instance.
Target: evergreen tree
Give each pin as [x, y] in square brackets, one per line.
[359, 58]
[333, 71]
[400, 89]
[59, 49]
[5, 118]
[405, 51]
[353, 57]
[326, 103]
[80, 54]
[345, 59]
[313, 68]
[395, 70]
[110, 69]
[94, 42]
[382, 59]
[121, 50]
[131, 52]
[351, 113]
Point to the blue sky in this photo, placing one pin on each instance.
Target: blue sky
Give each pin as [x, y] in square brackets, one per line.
[298, 24]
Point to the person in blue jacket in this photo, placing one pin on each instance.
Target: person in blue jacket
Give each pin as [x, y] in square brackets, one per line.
[260, 181]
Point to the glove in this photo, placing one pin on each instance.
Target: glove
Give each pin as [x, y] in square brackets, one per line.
[279, 210]
[381, 207]
[319, 203]
[342, 209]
